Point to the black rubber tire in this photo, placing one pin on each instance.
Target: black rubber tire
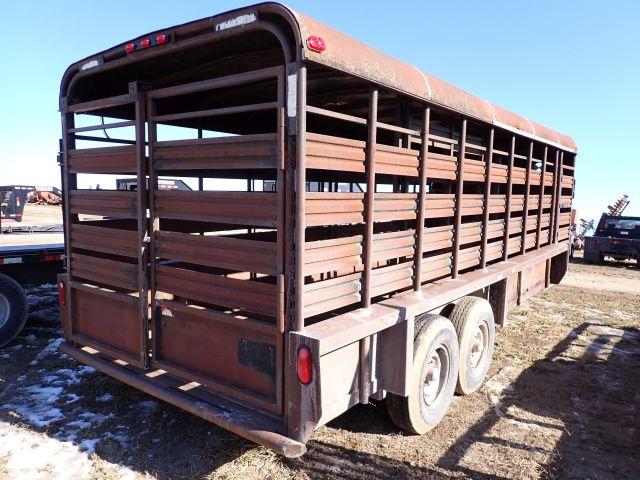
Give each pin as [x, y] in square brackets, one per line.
[15, 299]
[411, 413]
[466, 316]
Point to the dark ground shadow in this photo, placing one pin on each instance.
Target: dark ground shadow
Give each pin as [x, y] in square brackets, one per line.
[596, 395]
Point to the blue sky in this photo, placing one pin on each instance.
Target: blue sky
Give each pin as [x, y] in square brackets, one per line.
[572, 66]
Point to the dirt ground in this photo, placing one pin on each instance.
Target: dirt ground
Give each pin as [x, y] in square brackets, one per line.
[561, 401]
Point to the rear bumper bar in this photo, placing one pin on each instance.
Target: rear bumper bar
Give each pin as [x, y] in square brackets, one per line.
[241, 421]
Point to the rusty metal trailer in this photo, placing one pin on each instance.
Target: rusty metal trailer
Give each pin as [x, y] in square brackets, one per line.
[357, 226]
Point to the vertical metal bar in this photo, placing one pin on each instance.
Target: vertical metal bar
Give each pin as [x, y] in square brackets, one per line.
[422, 196]
[554, 198]
[280, 192]
[154, 223]
[369, 198]
[69, 181]
[370, 172]
[459, 189]
[143, 227]
[487, 199]
[559, 199]
[507, 213]
[525, 211]
[301, 187]
[543, 172]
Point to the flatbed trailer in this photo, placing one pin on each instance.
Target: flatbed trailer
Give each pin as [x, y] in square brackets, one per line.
[25, 259]
[383, 221]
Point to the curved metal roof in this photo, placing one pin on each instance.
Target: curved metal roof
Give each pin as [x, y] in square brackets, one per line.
[349, 55]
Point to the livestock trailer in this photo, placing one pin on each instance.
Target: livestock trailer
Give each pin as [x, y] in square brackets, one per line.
[358, 224]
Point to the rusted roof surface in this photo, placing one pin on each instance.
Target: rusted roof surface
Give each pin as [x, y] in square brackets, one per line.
[349, 55]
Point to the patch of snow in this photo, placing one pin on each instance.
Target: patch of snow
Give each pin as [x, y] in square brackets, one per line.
[35, 405]
[89, 445]
[51, 348]
[145, 408]
[33, 456]
[107, 397]
[623, 315]
[498, 386]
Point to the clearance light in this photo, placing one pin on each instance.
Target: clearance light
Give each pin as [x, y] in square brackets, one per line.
[305, 369]
[62, 293]
[159, 39]
[316, 44]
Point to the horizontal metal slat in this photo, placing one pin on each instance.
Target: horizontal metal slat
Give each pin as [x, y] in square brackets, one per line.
[252, 296]
[104, 203]
[237, 208]
[106, 240]
[222, 252]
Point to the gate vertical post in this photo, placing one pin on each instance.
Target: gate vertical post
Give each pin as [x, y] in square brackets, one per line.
[300, 187]
[137, 90]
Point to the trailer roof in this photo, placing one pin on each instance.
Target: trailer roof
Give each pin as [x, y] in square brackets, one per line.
[347, 54]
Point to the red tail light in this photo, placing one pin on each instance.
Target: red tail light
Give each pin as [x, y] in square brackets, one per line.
[145, 43]
[162, 38]
[62, 293]
[130, 47]
[316, 44]
[305, 366]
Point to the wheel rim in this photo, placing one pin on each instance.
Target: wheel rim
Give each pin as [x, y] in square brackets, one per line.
[5, 310]
[437, 371]
[479, 345]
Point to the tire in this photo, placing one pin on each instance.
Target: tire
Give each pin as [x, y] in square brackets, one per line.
[473, 320]
[13, 309]
[435, 344]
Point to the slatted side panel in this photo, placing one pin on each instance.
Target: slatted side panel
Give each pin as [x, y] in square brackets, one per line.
[233, 254]
[110, 241]
[103, 203]
[239, 208]
[105, 160]
[252, 296]
[241, 152]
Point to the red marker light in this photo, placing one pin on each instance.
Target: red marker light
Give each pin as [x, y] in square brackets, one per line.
[316, 44]
[145, 43]
[305, 370]
[62, 293]
[162, 38]
[130, 47]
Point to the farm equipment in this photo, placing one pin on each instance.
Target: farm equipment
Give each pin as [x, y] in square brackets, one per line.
[395, 221]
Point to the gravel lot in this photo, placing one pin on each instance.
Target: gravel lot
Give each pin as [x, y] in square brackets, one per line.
[561, 401]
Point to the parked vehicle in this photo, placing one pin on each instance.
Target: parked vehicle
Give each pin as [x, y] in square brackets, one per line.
[387, 221]
[616, 236]
[25, 260]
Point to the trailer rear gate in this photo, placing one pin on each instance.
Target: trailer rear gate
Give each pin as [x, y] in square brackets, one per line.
[203, 297]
